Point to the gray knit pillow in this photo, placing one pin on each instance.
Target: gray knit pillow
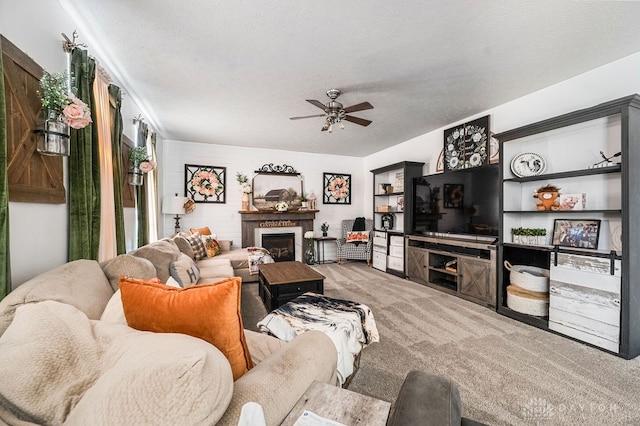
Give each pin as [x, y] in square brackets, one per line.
[128, 265]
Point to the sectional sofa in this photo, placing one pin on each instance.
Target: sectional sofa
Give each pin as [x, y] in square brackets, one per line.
[67, 355]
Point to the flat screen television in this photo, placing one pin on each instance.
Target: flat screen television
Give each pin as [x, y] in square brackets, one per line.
[462, 202]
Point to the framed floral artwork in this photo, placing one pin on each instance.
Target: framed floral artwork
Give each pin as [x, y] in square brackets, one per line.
[336, 188]
[205, 184]
[467, 145]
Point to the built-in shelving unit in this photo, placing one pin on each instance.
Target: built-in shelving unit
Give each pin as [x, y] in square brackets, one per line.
[393, 213]
[593, 295]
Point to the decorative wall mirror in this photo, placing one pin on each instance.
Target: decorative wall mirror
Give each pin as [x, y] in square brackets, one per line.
[275, 184]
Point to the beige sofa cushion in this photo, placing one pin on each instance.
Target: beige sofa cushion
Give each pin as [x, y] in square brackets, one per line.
[162, 254]
[239, 258]
[214, 268]
[80, 283]
[107, 374]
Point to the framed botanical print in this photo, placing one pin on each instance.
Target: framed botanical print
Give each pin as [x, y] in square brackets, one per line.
[205, 184]
[336, 188]
[467, 145]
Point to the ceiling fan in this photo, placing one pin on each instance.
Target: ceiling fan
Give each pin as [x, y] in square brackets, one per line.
[335, 113]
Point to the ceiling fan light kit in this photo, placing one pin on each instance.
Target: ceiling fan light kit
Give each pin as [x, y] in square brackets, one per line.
[335, 113]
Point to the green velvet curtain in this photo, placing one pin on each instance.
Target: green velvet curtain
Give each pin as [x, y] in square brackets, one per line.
[84, 168]
[141, 192]
[5, 264]
[115, 99]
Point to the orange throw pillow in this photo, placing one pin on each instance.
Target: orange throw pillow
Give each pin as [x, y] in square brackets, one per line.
[208, 311]
[201, 231]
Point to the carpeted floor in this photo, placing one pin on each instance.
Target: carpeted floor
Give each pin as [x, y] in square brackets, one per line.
[508, 373]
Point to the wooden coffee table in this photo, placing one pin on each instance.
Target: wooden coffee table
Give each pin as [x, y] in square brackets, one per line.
[284, 281]
[340, 405]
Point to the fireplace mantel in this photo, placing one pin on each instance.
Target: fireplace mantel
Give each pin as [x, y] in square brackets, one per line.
[252, 219]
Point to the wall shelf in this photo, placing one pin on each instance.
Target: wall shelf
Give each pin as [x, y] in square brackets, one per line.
[564, 175]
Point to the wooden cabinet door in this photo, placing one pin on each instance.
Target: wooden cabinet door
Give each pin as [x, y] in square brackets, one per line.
[474, 278]
[417, 265]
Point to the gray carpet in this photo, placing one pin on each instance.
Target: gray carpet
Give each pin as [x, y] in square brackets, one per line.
[508, 373]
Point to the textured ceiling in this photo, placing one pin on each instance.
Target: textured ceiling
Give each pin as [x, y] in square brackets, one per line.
[233, 72]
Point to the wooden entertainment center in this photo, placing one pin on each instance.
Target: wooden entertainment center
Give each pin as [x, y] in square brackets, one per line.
[463, 267]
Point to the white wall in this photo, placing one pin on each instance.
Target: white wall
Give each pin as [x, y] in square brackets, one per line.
[224, 219]
[612, 81]
[38, 232]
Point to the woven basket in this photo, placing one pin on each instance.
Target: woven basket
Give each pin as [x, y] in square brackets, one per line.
[528, 277]
[528, 302]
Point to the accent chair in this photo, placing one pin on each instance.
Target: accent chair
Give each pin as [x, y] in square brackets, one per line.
[355, 250]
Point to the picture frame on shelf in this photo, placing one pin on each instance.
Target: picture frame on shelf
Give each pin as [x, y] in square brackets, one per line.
[453, 196]
[336, 188]
[205, 184]
[578, 233]
[572, 201]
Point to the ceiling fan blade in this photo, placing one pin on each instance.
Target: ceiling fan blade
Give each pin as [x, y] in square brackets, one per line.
[358, 107]
[307, 116]
[360, 121]
[317, 103]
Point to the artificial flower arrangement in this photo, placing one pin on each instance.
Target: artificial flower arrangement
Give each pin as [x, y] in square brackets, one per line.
[206, 183]
[308, 235]
[139, 157]
[56, 100]
[245, 186]
[281, 206]
[338, 188]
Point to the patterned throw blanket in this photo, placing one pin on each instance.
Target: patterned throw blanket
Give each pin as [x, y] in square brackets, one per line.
[350, 325]
[258, 256]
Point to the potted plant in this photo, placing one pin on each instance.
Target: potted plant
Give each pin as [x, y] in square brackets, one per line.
[140, 164]
[62, 109]
[529, 236]
[324, 228]
[304, 202]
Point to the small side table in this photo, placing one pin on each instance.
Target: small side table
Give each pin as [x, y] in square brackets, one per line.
[320, 243]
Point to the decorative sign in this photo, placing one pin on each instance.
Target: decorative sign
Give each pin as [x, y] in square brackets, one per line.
[205, 184]
[466, 145]
[277, 223]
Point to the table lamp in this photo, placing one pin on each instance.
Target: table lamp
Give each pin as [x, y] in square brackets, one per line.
[175, 204]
